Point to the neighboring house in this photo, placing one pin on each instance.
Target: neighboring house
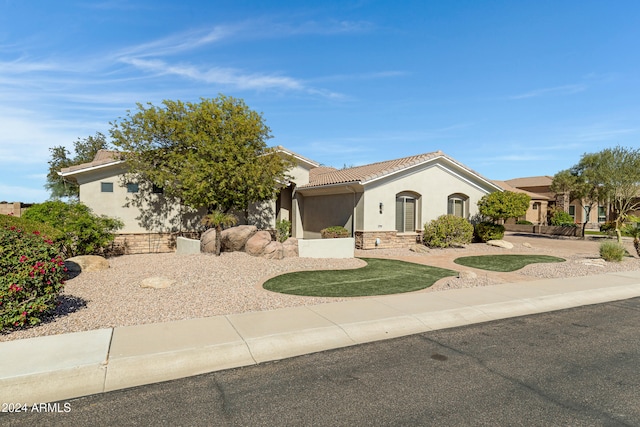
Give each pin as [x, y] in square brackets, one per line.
[383, 204]
[15, 208]
[539, 206]
[541, 186]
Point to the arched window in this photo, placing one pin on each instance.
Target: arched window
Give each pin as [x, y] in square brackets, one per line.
[457, 205]
[406, 212]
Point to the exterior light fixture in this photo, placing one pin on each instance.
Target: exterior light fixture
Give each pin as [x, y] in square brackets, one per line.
[381, 206]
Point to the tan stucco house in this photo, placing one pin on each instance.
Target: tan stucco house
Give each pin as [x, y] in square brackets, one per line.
[539, 188]
[384, 204]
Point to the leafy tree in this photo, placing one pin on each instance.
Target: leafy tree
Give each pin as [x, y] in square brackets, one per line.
[84, 152]
[573, 184]
[615, 174]
[218, 220]
[504, 205]
[210, 154]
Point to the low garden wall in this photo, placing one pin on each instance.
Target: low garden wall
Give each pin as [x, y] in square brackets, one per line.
[545, 229]
[326, 248]
[387, 239]
[146, 243]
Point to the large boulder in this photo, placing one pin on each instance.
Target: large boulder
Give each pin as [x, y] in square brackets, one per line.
[273, 250]
[208, 241]
[86, 263]
[256, 244]
[235, 238]
[290, 248]
[500, 244]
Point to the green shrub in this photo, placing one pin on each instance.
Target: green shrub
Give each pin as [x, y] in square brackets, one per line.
[524, 222]
[283, 230]
[612, 251]
[336, 231]
[31, 276]
[84, 232]
[485, 231]
[608, 227]
[562, 219]
[446, 231]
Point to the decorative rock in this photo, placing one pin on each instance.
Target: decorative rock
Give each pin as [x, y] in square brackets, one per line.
[420, 249]
[157, 283]
[86, 263]
[500, 244]
[234, 238]
[290, 248]
[467, 275]
[527, 245]
[594, 262]
[208, 241]
[257, 243]
[273, 250]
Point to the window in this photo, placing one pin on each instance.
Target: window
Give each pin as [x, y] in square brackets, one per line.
[457, 205]
[132, 188]
[602, 214]
[106, 187]
[157, 189]
[572, 211]
[535, 206]
[405, 214]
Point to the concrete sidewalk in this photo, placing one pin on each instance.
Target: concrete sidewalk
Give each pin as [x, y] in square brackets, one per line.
[61, 367]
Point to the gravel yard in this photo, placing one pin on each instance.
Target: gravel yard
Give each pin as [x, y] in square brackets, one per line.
[207, 285]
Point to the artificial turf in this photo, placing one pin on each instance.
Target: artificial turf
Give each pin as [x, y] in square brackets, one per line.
[504, 263]
[378, 277]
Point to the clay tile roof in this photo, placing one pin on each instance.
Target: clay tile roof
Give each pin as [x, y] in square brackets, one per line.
[367, 172]
[531, 181]
[507, 187]
[102, 157]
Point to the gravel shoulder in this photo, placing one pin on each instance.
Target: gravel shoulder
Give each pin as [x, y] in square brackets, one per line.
[206, 285]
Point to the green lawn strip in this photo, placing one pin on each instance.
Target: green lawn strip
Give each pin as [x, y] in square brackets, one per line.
[378, 277]
[504, 263]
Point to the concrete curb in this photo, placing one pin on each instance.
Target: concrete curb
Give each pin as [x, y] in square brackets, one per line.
[65, 366]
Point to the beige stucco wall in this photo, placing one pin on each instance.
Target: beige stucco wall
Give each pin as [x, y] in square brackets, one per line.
[433, 183]
[165, 218]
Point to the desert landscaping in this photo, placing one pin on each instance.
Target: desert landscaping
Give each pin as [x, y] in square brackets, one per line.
[203, 285]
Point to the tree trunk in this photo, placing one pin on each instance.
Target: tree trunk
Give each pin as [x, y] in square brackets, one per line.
[636, 244]
[218, 240]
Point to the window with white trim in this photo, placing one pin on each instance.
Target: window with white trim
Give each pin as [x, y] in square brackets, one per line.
[457, 205]
[572, 211]
[405, 214]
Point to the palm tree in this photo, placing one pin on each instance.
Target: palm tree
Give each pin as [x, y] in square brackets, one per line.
[218, 220]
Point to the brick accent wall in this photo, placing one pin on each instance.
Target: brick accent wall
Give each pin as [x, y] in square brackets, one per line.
[388, 239]
[146, 243]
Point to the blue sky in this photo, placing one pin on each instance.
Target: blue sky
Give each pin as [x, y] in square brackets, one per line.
[509, 88]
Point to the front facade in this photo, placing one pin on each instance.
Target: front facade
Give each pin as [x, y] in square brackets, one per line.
[386, 204]
[382, 205]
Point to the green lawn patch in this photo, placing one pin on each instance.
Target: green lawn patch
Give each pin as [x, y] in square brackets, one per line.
[504, 263]
[378, 277]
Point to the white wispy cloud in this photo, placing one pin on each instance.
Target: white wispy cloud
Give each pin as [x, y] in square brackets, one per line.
[558, 90]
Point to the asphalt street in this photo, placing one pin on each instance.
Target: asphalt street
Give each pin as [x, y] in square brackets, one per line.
[573, 367]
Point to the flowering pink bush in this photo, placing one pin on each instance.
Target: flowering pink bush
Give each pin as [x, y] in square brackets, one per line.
[31, 277]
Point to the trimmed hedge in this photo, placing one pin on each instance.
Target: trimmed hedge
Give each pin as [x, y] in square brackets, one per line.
[336, 231]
